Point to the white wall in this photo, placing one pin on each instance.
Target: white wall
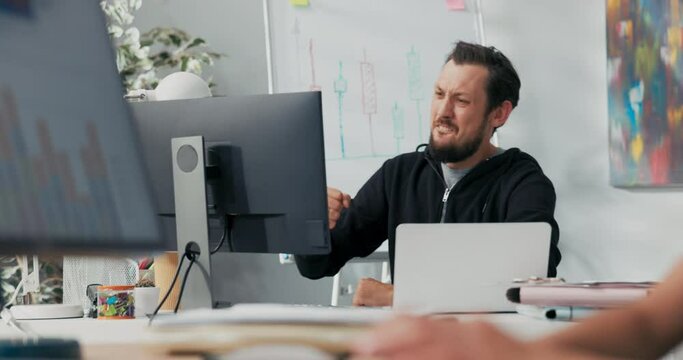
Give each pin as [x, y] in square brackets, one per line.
[559, 49]
[232, 27]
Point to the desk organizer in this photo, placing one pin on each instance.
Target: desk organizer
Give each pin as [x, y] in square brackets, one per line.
[115, 302]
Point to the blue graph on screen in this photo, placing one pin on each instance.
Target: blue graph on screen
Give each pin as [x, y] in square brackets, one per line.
[17, 7]
[40, 190]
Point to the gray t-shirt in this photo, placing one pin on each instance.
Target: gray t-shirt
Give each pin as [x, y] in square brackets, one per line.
[452, 176]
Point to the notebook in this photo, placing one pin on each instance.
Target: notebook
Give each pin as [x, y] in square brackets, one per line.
[460, 268]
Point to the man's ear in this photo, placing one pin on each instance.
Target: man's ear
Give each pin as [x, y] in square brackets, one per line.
[499, 116]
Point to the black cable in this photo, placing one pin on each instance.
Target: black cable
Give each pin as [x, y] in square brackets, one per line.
[227, 233]
[168, 292]
[182, 285]
[192, 251]
[192, 256]
[230, 222]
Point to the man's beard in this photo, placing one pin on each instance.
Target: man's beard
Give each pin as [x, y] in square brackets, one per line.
[452, 153]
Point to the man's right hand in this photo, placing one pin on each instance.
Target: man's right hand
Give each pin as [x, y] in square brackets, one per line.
[336, 201]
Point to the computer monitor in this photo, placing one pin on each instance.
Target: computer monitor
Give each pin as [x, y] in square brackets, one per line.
[262, 157]
[71, 175]
[72, 178]
[267, 152]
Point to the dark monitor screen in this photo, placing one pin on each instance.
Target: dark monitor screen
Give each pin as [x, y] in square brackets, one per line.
[71, 176]
[269, 153]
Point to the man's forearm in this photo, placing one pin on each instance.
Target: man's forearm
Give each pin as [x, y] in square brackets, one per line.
[615, 333]
[647, 329]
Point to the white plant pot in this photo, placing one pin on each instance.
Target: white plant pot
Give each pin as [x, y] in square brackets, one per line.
[146, 300]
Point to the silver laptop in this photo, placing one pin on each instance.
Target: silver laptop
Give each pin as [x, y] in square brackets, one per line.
[442, 268]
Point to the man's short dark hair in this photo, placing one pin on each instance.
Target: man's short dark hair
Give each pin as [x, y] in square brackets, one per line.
[503, 82]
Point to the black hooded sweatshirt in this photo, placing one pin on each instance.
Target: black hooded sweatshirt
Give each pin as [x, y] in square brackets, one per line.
[410, 188]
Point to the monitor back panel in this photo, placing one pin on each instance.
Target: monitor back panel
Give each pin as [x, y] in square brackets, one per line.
[272, 165]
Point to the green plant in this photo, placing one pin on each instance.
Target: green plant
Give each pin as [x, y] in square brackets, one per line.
[9, 276]
[50, 279]
[142, 59]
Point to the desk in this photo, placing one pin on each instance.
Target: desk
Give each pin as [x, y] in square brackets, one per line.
[103, 339]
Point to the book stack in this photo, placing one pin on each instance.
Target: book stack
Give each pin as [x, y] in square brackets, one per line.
[558, 300]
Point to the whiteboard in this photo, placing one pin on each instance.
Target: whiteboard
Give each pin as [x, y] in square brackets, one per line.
[375, 62]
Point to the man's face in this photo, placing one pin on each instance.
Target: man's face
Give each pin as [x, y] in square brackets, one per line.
[459, 123]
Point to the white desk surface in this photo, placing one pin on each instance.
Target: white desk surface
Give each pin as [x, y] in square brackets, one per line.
[96, 336]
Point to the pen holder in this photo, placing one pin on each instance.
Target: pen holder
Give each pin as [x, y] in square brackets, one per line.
[115, 302]
[146, 278]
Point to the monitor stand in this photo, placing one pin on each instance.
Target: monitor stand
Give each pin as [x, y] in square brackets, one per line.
[192, 225]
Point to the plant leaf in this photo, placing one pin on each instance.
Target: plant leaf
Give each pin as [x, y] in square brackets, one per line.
[195, 42]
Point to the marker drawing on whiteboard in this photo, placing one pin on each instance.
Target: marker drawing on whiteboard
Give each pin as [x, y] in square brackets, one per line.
[369, 94]
[296, 31]
[313, 86]
[398, 118]
[340, 87]
[415, 88]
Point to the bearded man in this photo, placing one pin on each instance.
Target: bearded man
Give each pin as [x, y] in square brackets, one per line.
[459, 177]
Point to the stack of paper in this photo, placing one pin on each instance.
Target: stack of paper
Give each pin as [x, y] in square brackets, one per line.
[277, 314]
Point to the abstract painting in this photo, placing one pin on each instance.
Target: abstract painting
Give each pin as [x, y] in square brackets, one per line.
[645, 92]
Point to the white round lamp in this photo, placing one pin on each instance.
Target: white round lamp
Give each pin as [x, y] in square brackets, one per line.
[179, 85]
[182, 85]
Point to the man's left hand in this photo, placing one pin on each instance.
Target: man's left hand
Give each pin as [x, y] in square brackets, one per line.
[371, 292]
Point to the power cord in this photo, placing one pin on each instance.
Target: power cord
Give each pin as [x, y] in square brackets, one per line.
[227, 234]
[192, 254]
[168, 292]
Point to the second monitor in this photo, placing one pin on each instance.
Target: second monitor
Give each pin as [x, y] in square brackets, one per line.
[266, 166]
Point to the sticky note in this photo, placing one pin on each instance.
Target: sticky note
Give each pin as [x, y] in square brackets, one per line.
[455, 5]
[299, 3]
